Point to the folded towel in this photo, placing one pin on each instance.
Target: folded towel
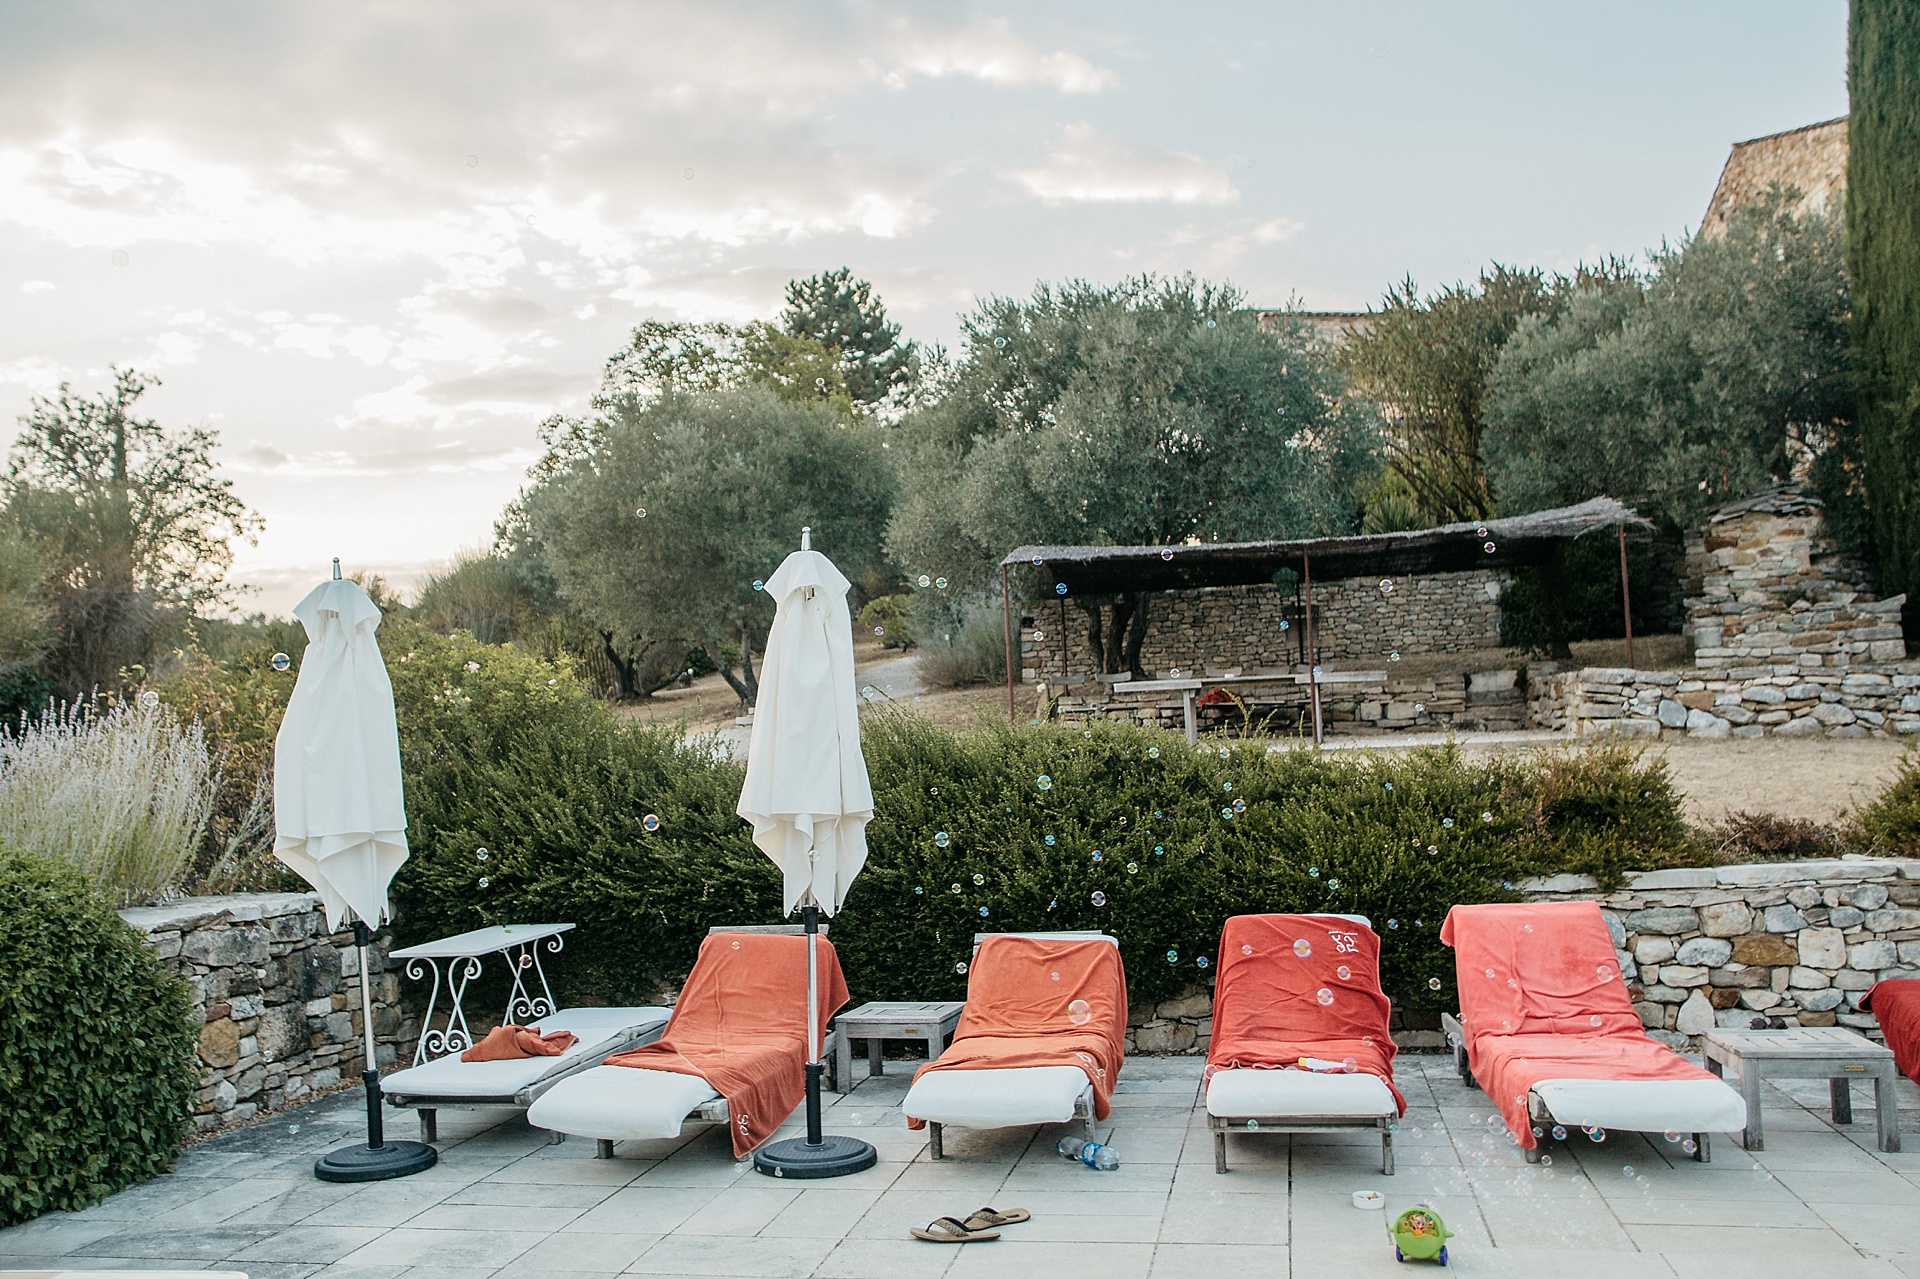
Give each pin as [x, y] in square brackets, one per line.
[507, 1043]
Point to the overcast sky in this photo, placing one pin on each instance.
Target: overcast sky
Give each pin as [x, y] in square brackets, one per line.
[373, 245]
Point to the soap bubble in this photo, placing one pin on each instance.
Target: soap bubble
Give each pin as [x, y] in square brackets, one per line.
[484, 881]
[759, 585]
[1227, 813]
[1349, 1065]
[919, 891]
[1393, 923]
[1488, 548]
[956, 889]
[1099, 856]
[1253, 1125]
[924, 581]
[1226, 785]
[119, 257]
[1079, 1012]
[979, 879]
[1055, 976]
[1386, 586]
[1343, 972]
[1099, 899]
[1394, 656]
[1626, 1170]
[1603, 972]
[1049, 841]
[1153, 752]
[1173, 957]
[1671, 1135]
[1324, 995]
[1689, 1145]
[294, 1129]
[1043, 782]
[1480, 530]
[281, 661]
[983, 912]
[941, 839]
[1486, 817]
[1302, 947]
[1246, 949]
[1594, 1020]
[1133, 868]
[480, 853]
[1159, 850]
[1314, 871]
[939, 583]
[1166, 554]
[1433, 983]
[1447, 822]
[999, 342]
[149, 699]
[1559, 1133]
[1285, 625]
[1239, 805]
[651, 821]
[879, 630]
[1489, 973]
[1419, 708]
[961, 967]
[1059, 588]
[1333, 883]
[1201, 962]
[641, 512]
[1038, 636]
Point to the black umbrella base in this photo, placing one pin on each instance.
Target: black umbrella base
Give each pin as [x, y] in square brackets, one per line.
[375, 1163]
[833, 1157]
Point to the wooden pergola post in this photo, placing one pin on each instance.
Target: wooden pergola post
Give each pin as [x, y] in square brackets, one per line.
[1626, 595]
[1313, 655]
[1006, 615]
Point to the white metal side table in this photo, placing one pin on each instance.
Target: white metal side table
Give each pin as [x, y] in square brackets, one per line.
[528, 998]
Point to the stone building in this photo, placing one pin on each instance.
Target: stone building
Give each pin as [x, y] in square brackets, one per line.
[1812, 159]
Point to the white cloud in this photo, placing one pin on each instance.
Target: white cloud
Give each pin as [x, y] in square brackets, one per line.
[1091, 168]
[990, 53]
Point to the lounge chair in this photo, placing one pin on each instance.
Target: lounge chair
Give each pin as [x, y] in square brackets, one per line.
[450, 1083]
[733, 1052]
[1040, 1042]
[1547, 1028]
[1293, 990]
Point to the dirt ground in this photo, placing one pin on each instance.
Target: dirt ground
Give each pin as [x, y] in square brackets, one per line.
[1819, 780]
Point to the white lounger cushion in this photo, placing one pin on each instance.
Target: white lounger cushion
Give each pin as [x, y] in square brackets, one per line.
[601, 1031]
[1301, 1094]
[621, 1103]
[1645, 1105]
[997, 1098]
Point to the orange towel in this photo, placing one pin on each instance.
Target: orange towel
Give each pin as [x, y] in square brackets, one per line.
[508, 1043]
[741, 1024]
[1042, 1002]
[1896, 1002]
[1542, 997]
[1294, 986]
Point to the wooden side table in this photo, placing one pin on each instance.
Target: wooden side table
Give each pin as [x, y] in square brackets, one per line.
[877, 1023]
[1807, 1052]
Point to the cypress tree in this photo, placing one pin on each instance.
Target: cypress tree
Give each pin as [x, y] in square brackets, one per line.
[1883, 261]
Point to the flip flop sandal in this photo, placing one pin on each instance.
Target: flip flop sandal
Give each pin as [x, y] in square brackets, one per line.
[987, 1218]
[952, 1230]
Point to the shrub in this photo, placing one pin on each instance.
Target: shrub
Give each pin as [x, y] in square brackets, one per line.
[887, 614]
[970, 648]
[1770, 837]
[1891, 823]
[515, 758]
[121, 795]
[96, 1062]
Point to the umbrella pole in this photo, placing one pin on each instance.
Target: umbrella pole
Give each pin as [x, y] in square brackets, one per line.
[817, 1155]
[379, 1159]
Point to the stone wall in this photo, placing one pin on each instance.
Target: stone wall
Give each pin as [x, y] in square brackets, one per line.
[1801, 941]
[1767, 584]
[1488, 701]
[1255, 628]
[278, 997]
[1753, 701]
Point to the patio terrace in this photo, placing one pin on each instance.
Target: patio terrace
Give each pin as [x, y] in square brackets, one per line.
[502, 1201]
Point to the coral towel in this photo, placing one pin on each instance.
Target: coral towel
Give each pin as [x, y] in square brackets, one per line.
[1035, 1001]
[509, 1043]
[1295, 988]
[1896, 1003]
[1542, 997]
[741, 1025]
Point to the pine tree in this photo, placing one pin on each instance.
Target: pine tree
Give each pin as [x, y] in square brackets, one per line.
[1883, 261]
[844, 313]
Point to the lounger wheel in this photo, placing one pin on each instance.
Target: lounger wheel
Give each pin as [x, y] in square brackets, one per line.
[1397, 1255]
[1443, 1254]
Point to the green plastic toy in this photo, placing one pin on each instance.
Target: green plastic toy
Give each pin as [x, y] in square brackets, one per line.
[1420, 1235]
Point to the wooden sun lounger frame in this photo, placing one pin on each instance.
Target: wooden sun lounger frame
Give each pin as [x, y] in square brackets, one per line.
[1287, 1125]
[1083, 1104]
[716, 1111]
[1538, 1113]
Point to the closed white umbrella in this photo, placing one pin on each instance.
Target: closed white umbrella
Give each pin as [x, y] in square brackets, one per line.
[809, 800]
[341, 819]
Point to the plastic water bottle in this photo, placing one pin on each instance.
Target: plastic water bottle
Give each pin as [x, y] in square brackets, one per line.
[1091, 1153]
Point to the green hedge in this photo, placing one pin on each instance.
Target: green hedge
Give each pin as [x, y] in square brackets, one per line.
[96, 1058]
[515, 758]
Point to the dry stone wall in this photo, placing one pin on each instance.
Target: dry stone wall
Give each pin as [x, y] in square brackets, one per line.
[278, 997]
[1755, 701]
[1798, 941]
[1254, 628]
[1767, 584]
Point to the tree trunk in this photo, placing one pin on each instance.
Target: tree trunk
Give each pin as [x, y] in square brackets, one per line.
[745, 684]
[622, 670]
[1116, 628]
[1137, 635]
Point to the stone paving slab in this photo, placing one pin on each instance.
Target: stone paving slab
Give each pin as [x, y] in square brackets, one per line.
[505, 1201]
